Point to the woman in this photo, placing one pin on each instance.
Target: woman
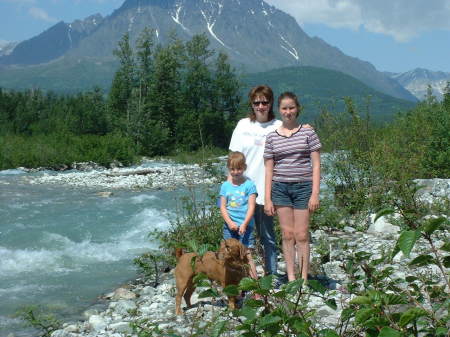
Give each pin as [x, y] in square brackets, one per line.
[249, 138]
[292, 180]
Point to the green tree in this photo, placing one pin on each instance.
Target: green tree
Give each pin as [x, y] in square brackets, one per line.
[225, 100]
[122, 85]
[197, 93]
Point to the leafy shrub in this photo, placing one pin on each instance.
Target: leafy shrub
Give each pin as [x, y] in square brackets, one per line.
[197, 227]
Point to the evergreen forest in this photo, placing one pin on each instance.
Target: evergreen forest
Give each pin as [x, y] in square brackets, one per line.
[163, 100]
[185, 97]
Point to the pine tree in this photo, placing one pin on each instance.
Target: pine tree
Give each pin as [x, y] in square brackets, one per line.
[122, 85]
[226, 100]
[446, 101]
[197, 93]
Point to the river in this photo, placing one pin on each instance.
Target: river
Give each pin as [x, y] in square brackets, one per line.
[63, 246]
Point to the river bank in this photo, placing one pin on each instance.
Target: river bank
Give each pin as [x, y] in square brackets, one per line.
[149, 174]
[139, 304]
[65, 238]
[146, 302]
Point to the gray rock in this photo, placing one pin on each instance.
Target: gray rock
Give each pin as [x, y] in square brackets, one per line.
[72, 328]
[123, 294]
[124, 306]
[123, 327]
[382, 226]
[349, 229]
[88, 313]
[148, 291]
[97, 323]
[60, 333]
[104, 194]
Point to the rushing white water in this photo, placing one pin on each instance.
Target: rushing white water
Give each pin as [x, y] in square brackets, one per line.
[61, 247]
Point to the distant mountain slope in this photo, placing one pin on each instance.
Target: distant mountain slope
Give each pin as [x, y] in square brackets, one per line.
[416, 81]
[52, 43]
[6, 47]
[256, 35]
[318, 87]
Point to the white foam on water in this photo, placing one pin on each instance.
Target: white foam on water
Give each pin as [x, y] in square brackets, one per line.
[63, 255]
[18, 291]
[11, 172]
[139, 199]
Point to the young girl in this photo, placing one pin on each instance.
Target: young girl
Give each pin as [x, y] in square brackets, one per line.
[237, 205]
[292, 161]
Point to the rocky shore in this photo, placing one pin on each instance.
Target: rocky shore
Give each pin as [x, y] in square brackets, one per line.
[140, 304]
[149, 175]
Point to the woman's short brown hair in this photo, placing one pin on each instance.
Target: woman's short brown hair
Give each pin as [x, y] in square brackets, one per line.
[260, 90]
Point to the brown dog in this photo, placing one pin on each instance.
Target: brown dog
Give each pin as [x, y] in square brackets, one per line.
[228, 266]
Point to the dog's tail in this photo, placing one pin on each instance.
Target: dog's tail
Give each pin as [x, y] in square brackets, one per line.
[178, 253]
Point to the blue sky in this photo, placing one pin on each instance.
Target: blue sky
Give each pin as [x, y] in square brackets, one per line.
[394, 35]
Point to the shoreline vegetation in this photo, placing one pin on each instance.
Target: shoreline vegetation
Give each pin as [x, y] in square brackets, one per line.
[178, 99]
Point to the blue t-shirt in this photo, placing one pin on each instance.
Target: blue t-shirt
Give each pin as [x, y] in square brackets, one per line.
[237, 200]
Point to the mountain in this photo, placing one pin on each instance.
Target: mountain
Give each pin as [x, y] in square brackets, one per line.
[416, 81]
[319, 88]
[52, 43]
[255, 35]
[6, 47]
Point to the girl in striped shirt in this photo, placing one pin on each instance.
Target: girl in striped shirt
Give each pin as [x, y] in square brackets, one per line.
[292, 179]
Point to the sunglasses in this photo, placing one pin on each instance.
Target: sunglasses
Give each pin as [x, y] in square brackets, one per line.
[257, 103]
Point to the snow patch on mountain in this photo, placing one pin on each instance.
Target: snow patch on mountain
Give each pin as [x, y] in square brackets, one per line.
[211, 21]
[290, 49]
[6, 47]
[176, 17]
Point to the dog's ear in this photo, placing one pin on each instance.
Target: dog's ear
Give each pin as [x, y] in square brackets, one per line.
[178, 253]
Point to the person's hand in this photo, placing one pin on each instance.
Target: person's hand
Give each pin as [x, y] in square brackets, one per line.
[242, 229]
[313, 203]
[233, 227]
[269, 209]
[307, 126]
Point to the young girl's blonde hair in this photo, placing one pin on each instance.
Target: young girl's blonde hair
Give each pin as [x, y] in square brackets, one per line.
[236, 159]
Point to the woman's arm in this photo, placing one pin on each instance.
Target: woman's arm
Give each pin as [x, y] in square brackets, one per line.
[313, 203]
[269, 209]
[250, 211]
[223, 209]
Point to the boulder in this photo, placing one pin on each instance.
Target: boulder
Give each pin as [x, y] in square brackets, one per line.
[123, 327]
[105, 194]
[382, 226]
[97, 323]
[123, 294]
[124, 306]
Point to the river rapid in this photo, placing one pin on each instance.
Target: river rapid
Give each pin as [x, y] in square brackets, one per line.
[62, 245]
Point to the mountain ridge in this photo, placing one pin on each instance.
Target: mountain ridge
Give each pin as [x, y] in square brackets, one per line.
[417, 81]
[256, 36]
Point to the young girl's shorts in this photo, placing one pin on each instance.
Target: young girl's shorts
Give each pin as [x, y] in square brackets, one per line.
[248, 239]
[293, 194]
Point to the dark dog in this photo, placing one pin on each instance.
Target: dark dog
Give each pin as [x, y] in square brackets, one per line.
[228, 266]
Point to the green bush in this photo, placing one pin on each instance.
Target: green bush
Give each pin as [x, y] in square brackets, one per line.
[197, 227]
[58, 149]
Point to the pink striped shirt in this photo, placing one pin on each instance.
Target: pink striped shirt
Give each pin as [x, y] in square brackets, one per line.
[292, 155]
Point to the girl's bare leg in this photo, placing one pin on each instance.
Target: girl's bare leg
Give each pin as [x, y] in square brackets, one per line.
[251, 263]
[286, 217]
[301, 234]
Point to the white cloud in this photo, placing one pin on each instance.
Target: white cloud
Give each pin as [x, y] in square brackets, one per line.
[401, 19]
[40, 14]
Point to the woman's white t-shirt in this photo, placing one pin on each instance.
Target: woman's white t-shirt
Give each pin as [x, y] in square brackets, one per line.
[249, 138]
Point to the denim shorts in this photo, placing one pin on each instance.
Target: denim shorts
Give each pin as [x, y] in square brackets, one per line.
[248, 239]
[295, 194]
